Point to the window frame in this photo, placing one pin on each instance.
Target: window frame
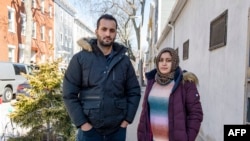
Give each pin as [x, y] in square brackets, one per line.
[185, 54]
[33, 3]
[11, 52]
[215, 30]
[42, 33]
[33, 34]
[11, 19]
[23, 23]
[42, 6]
[61, 38]
[50, 36]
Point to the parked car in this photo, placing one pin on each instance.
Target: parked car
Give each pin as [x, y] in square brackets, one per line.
[10, 77]
[23, 88]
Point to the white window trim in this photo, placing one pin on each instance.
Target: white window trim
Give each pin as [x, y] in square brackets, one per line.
[23, 26]
[50, 36]
[33, 4]
[69, 42]
[61, 15]
[21, 52]
[12, 10]
[50, 11]
[34, 23]
[42, 6]
[12, 47]
[42, 33]
[61, 38]
[66, 40]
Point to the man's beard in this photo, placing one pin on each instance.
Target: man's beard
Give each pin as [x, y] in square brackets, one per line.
[104, 44]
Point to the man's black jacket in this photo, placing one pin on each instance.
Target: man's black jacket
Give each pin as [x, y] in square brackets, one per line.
[101, 92]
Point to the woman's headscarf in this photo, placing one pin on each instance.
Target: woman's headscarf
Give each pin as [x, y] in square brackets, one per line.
[164, 79]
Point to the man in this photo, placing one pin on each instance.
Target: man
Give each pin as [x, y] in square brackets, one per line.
[100, 89]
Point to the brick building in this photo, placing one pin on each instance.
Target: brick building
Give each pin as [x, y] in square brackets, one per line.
[13, 30]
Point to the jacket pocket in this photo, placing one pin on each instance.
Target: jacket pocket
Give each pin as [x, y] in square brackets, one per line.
[91, 110]
[91, 104]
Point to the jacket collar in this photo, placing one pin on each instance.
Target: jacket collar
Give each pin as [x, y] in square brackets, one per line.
[90, 45]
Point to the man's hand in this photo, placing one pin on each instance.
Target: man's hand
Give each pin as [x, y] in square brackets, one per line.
[124, 124]
[86, 126]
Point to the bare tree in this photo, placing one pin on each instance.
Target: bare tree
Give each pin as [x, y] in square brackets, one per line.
[127, 12]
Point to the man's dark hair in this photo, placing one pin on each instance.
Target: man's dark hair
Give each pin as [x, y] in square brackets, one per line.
[107, 17]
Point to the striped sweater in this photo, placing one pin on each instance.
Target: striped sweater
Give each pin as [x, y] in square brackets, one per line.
[158, 103]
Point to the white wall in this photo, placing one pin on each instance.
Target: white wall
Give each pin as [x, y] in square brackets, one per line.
[165, 9]
[221, 71]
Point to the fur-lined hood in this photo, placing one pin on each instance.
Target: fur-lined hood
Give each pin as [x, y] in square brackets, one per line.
[88, 44]
[84, 44]
[191, 77]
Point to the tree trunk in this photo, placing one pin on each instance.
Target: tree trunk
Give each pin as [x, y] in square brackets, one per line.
[28, 34]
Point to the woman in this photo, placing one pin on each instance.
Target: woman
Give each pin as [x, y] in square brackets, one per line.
[171, 108]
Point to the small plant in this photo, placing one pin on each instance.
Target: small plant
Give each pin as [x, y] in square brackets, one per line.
[43, 111]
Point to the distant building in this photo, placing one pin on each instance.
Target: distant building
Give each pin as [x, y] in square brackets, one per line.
[13, 30]
[63, 26]
[81, 30]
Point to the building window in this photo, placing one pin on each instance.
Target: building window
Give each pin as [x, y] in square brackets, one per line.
[42, 6]
[11, 23]
[50, 11]
[42, 33]
[34, 29]
[23, 23]
[66, 41]
[61, 38]
[61, 15]
[185, 50]
[69, 42]
[43, 58]
[218, 31]
[33, 4]
[50, 36]
[11, 53]
[21, 53]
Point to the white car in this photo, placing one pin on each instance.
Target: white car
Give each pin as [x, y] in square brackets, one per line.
[10, 78]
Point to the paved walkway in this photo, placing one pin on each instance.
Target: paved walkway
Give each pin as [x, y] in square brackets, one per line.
[132, 129]
[7, 128]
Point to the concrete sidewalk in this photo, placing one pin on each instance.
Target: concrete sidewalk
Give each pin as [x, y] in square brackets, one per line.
[5, 109]
[132, 128]
[7, 128]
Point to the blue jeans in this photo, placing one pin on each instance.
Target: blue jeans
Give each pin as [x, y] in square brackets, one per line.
[92, 135]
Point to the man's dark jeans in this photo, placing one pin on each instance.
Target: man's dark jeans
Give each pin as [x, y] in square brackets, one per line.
[92, 135]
